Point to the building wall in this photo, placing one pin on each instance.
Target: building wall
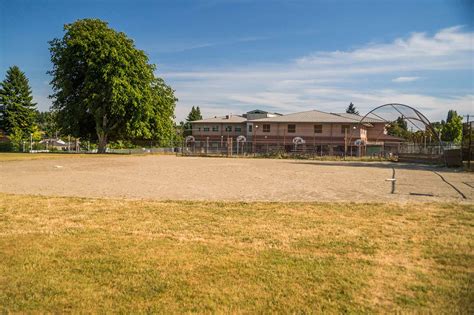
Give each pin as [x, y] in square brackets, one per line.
[198, 130]
[331, 132]
[376, 131]
[306, 130]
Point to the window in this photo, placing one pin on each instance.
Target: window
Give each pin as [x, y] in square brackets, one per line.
[250, 128]
[238, 129]
[266, 128]
[206, 129]
[344, 128]
[318, 128]
[291, 128]
[215, 128]
[199, 128]
[228, 128]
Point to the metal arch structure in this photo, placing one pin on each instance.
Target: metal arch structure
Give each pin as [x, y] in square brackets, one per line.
[421, 118]
[414, 115]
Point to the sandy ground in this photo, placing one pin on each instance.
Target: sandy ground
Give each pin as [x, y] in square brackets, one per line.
[192, 178]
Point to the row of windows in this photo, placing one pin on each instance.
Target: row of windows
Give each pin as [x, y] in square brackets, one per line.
[216, 128]
[292, 128]
[266, 128]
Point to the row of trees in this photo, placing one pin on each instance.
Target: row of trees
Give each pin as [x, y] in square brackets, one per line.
[449, 130]
[104, 89]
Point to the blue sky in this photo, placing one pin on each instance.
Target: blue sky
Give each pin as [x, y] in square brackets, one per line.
[284, 56]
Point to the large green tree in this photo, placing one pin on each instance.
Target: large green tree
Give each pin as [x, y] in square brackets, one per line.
[16, 103]
[162, 126]
[105, 88]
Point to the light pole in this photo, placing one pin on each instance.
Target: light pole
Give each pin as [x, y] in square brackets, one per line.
[254, 138]
[266, 142]
[345, 142]
[314, 143]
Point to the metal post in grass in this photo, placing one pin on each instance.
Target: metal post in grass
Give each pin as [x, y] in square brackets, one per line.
[469, 144]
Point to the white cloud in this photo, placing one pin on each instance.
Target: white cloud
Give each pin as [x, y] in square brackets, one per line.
[446, 43]
[405, 79]
[330, 80]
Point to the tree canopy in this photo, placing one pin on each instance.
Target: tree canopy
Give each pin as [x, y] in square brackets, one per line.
[351, 109]
[47, 123]
[399, 128]
[17, 107]
[104, 87]
[452, 129]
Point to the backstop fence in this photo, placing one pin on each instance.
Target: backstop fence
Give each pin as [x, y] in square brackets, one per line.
[231, 147]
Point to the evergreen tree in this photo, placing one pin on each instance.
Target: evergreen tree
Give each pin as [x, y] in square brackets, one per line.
[194, 114]
[351, 109]
[16, 103]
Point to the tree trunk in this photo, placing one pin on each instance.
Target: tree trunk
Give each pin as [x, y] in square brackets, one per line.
[102, 143]
[102, 135]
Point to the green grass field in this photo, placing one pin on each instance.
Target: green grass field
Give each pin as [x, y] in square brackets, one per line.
[92, 255]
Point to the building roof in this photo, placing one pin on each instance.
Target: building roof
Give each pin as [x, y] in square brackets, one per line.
[318, 116]
[359, 117]
[222, 119]
[311, 116]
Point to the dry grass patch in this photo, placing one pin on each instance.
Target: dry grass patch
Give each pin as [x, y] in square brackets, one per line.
[73, 254]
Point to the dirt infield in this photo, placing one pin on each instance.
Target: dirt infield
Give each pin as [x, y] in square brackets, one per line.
[188, 178]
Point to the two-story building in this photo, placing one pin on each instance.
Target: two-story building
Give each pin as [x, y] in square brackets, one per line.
[316, 131]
